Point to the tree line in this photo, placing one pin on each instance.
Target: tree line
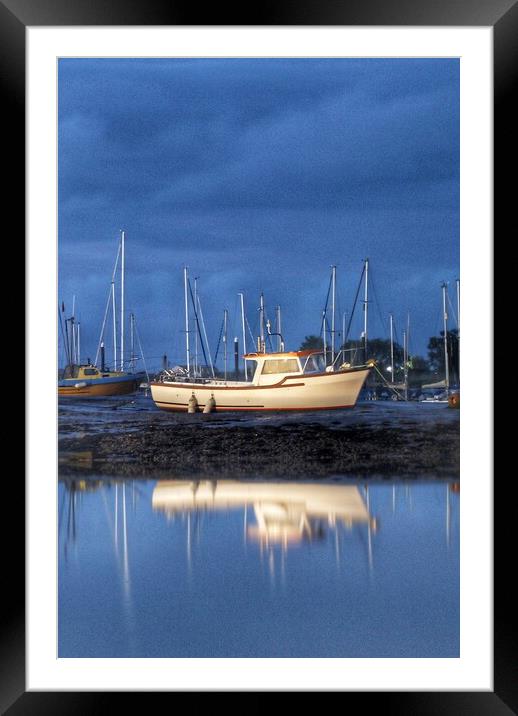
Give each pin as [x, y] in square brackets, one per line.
[419, 368]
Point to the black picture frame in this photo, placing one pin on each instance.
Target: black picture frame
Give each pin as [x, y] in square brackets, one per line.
[15, 16]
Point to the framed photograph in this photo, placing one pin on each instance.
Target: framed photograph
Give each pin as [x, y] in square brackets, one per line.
[248, 166]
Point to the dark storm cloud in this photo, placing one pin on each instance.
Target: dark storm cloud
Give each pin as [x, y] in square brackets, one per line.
[247, 169]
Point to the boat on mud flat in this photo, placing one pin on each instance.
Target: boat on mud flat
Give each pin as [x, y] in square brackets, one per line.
[93, 379]
[89, 381]
[297, 380]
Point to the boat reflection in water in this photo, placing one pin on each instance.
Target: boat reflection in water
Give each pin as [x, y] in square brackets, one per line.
[285, 513]
[146, 569]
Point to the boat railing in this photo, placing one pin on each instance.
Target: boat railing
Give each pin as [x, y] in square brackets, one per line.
[180, 375]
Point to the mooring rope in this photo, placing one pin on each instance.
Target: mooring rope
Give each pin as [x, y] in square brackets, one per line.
[388, 384]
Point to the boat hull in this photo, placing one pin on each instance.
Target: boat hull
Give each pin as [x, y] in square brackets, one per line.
[98, 388]
[322, 391]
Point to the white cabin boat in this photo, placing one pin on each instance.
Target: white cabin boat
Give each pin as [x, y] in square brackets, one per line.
[297, 380]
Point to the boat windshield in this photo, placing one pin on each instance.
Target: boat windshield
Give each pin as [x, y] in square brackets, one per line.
[280, 365]
[315, 363]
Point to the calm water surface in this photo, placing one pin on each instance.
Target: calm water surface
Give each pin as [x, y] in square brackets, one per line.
[173, 568]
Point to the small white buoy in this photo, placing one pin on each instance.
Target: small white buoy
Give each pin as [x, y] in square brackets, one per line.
[80, 385]
[210, 405]
[193, 404]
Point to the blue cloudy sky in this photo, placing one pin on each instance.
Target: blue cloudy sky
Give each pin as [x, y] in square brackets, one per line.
[259, 174]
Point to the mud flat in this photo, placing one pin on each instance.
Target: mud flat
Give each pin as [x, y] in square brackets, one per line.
[409, 449]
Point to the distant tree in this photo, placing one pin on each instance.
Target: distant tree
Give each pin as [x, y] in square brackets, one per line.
[419, 363]
[311, 342]
[353, 351]
[418, 371]
[436, 353]
[379, 349]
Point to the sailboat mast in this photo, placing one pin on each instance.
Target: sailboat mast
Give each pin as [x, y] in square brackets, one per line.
[366, 306]
[408, 333]
[244, 332]
[73, 330]
[261, 323]
[225, 320]
[391, 348]
[187, 350]
[195, 332]
[122, 302]
[407, 353]
[333, 300]
[78, 344]
[405, 361]
[68, 343]
[132, 341]
[458, 307]
[106, 310]
[63, 331]
[278, 323]
[445, 330]
[458, 330]
[200, 313]
[72, 339]
[324, 334]
[114, 328]
[343, 335]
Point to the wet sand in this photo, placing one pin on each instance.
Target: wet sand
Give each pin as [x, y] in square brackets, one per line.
[385, 440]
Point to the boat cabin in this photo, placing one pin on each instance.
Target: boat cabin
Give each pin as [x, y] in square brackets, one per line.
[271, 368]
[81, 372]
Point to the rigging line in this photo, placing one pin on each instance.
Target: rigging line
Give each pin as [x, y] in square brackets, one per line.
[101, 337]
[346, 337]
[452, 309]
[377, 302]
[327, 302]
[322, 324]
[205, 334]
[326, 323]
[438, 322]
[398, 350]
[409, 334]
[63, 335]
[235, 319]
[268, 336]
[140, 346]
[197, 321]
[396, 335]
[389, 385]
[339, 313]
[328, 292]
[67, 338]
[153, 357]
[250, 331]
[219, 340]
[176, 324]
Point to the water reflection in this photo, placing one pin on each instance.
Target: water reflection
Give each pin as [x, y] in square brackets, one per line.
[296, 557]
[286, 514]
[274, 514]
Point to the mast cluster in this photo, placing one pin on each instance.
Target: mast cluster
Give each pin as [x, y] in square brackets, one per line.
[118, 332]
